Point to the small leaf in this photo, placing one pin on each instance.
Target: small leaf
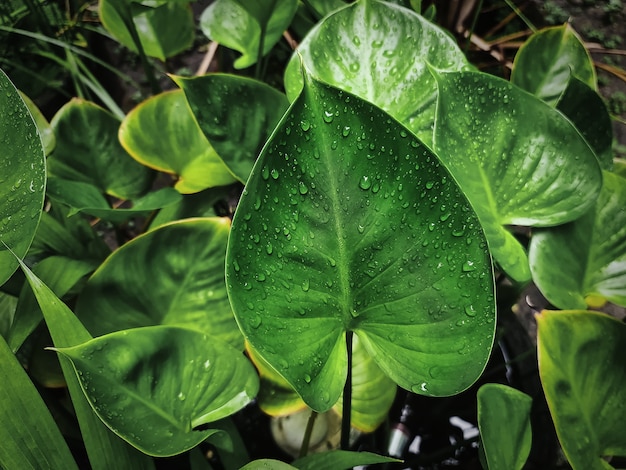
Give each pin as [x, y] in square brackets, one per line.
[543, 64]
[162, 133]
[582, 372]
[88, 151]
[267, 464]
[353, 225]
[518, 160]
[157, 386]
[164, 29]
[379, 52]
[22, 176]
[586, 257]
[339, 460]
[240, 26]
[202, 204]
[30, 437]
[173, 275]
[86, 198]
[236, 114]
[498, 404]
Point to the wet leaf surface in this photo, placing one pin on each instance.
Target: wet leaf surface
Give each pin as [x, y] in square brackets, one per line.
[349, 223]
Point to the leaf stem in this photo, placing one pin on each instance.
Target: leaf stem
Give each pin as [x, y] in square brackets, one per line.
[347, 398]
[304, 449]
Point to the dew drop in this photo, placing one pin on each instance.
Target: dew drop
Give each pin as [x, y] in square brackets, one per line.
[468, 266]
[429, 185]
[328, 117]
[255, 321]
[470, 311]
[181, 396]
[302, 188]
[345, 131]
[269, 248]
[265, 173]
[305, 125]
[307, 378]
[306, 285]
[274, 173]
[365, 183]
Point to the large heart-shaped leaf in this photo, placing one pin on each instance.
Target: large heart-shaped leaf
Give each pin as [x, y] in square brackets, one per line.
[173, 275]
[86, 198]
[162, 133]
[247, 27]
[351, 224]
[581, 365]
[22, 176]
[586, 257]
[88, 151]
[544, 63]
[236, 114]
[379, 52]
[517, 159]
[157, 387]
[500, 405]
[585, 108]
[164, 29]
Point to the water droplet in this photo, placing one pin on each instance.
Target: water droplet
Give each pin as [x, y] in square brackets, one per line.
[255, 321]
[328, 117]
[354, 67]
[360, 228]
[332, 262]
[236, 266]
[274, 173]
[307, 378]
[207, 363]
[365, 183]
[470, 311]
[429, 185]
[305, 125]
[468, 266]
[306, 285]
[261, 277]
[265, 173]
[269, 248]
[420, 388]
[302, 188]
[345, 131]
[181, 396]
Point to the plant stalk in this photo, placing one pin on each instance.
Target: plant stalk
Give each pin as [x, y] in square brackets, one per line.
[306, 439]
[347, 398]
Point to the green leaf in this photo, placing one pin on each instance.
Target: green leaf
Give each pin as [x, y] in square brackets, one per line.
[585, 108]
[324, 7]
[202, 204]
[60, 274]
[247, 28]
[43, 126]
[353, 225]
[173, 275]
[581, 365]
[30, 437]
[340, 459]
[86, 198]
[379, 52]
[8, 303]
[267, 464]
[519, 161]
[236, 114]
[164, 30]
[105, 450]
[162, 133]
[586, 257]
[543, 64]
[22, 176]
[157, 387]
[500, 405]
[88, 151]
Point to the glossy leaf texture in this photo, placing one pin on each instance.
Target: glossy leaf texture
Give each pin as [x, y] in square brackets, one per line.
[88, 151]
[85, 198]
[585, 108]
[157, 387]
[22, 177]
[379, 51]
[30, 437]
[43, 126]
[582, 372]
[172, 275]
[586, 257]
[247, 27]
[498, 405]
[164, 29]
[350, 223]
[544, 62]
[162, 133]
[236, 114]
[519, 161]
